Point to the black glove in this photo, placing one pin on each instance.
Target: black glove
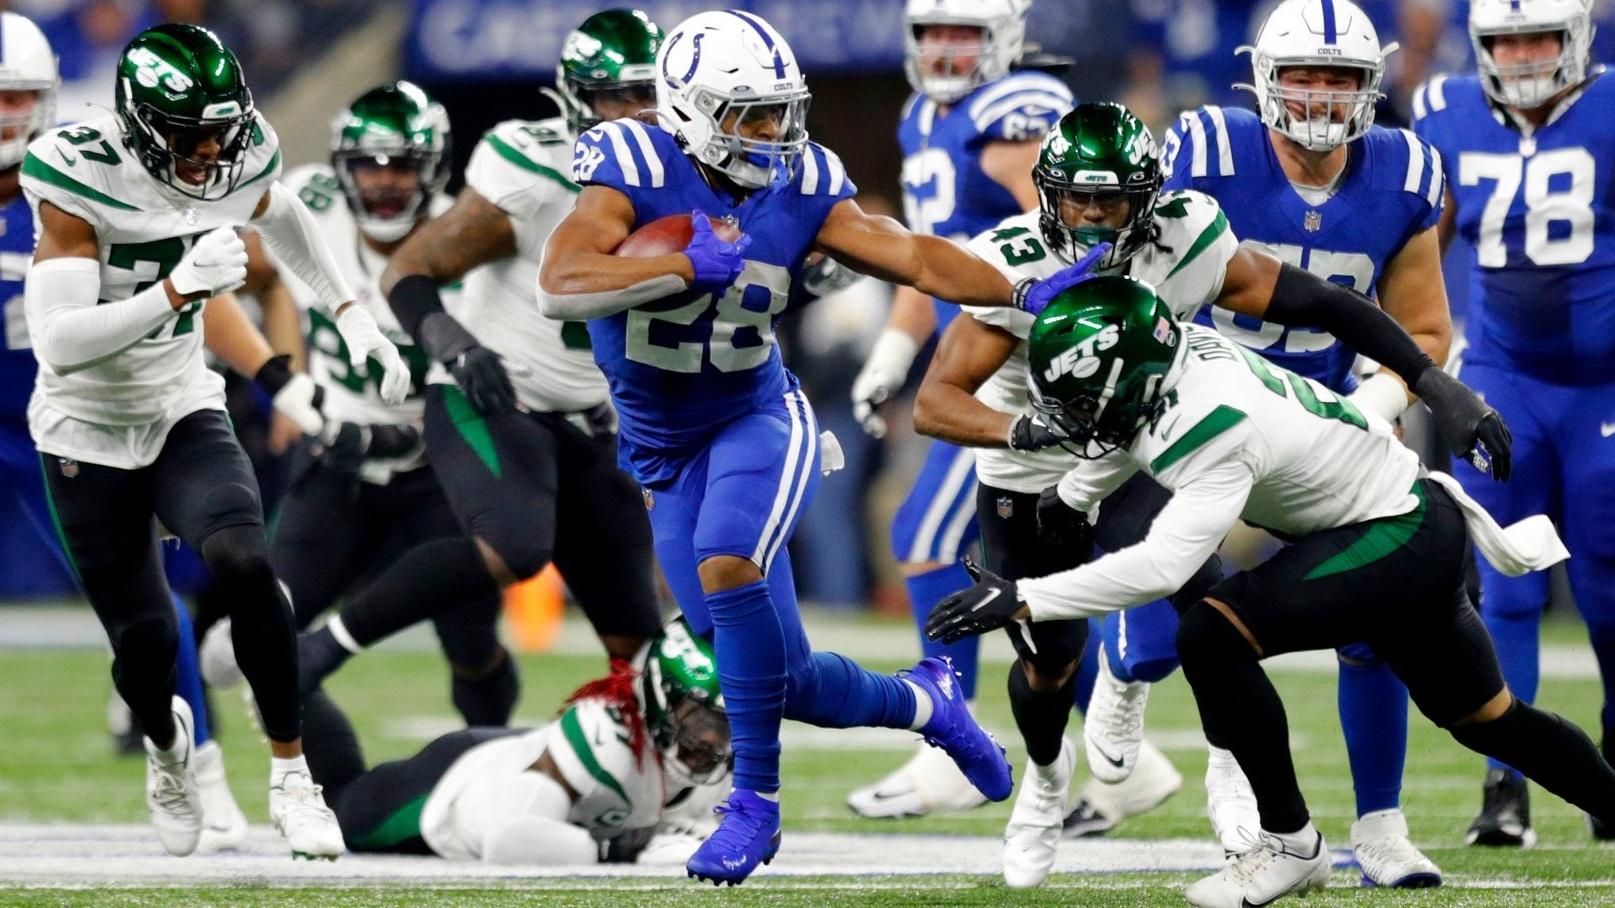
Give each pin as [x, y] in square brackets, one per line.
[1471, 428]
[482, 376]
[992, 603]
[346, 446]
[625, 848]
[1060, 526]
[1027, 434]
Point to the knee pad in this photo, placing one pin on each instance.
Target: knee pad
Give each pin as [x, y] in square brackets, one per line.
[154, 640]
[239, 554]
[490, 699]
[1206, 639]
[232, 504]
[523, 556]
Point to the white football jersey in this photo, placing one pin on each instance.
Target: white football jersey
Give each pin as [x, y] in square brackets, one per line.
[523, 167]
[617, 789]
[118, 413]
[354, 395]
[1186, 265]
[1235, 437]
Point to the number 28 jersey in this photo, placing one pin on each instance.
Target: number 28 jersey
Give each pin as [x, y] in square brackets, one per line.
[118, 412]
[681, 367]
[1540, 212]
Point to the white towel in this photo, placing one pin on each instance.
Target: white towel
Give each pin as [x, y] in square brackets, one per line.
[1530, 545]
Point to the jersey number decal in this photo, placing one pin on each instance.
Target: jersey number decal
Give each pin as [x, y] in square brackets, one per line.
[928, 181]
[83, 136]
[319, 192]
[1544, 205]
[732, 322]
[1325, 405]
[1349, 269]
[1021, 247]
[164, 255]
[324, 337]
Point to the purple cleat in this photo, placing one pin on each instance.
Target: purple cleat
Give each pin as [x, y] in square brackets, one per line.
[748, 836]
[952, 728]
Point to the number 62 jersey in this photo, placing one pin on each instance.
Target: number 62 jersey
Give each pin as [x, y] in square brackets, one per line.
[1539, 208]
[118, 412]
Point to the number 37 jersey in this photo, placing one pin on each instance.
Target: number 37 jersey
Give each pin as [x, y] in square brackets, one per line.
[143, 229]
[682, 367]
[1540, 211]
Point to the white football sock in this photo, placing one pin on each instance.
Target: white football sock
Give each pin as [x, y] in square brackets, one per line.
[923, 707]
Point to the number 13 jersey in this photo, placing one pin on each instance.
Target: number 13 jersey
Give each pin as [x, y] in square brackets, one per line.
[1540, 211]
[118, 412]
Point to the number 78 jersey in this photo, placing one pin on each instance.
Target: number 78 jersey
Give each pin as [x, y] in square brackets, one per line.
[1540, 211]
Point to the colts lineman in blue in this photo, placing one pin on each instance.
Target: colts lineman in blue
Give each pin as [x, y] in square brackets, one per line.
[713, 425]
[1532, 144]
[970, 136]
[1310, 180]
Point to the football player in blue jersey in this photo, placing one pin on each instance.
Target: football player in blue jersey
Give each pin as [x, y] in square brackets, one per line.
[1309, 179]
[713, 426]
[970, 135]
[1531, 141]
[29, 547]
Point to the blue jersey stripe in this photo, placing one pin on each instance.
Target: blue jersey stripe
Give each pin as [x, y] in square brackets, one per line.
[1329, 34]
[1213, 141]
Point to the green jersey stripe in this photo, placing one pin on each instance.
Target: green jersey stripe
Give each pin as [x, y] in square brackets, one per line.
[580, 746]
[1216, 422]
[39, 170]
[1383, 537]
[269, 168]
[524, 162]
[473, 428]
[401, 825]
[1207, 236]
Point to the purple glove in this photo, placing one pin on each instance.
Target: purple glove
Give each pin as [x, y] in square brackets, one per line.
[1032, 295]
[716, 262]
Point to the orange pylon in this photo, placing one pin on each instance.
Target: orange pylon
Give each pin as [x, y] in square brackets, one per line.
[533, 608]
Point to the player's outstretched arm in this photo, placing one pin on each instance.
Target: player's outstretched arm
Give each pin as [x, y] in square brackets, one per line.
[883, 248]
[70, 331]
[911, 321]
[946, 407]
[581, 279]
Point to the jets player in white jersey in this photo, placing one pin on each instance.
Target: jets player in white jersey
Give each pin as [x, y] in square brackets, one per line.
[1377, 550]
[629, 771]
[136, 216]
[518, 427]
[1099, 184]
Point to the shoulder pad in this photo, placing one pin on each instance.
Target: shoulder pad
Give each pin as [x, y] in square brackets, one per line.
[1411, 164]
[596, 754]
[513, 152]
[622, 153]
[263, 156]
[1022, 105]
[1430, 98]
[823, 173]
[316, 186]
[1201, 143]
[76, 168]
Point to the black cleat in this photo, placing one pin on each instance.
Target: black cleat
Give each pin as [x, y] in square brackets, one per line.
[1505, 813]
[1604, 831]
[1085, 820]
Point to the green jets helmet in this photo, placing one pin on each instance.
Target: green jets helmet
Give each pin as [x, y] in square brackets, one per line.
[386, 134]
[185, 109]
[611, 56]
[1097, 357]
[683, 706]
[1103, 156]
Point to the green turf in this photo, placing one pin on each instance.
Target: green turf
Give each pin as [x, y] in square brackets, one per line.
[56, 764]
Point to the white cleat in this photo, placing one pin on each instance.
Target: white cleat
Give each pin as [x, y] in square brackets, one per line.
[217, 657]
[299, 813]
[171, 794]
[1231, 804]
[224, 827]
[1032, 838]
[1113, 728]
[1265, 871]
[1102, 805]
[930, 782]
[1379, 840]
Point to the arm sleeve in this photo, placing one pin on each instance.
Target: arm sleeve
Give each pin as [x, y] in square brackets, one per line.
[290, 230]
[1185, 533]
[583, 306]
[1304, 299]
[69, 331]
[1087, 484]
[532, 827]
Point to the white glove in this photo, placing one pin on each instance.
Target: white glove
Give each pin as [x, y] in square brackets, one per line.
[217, 263]
[882, 376]
[300, 401]
[358, 329]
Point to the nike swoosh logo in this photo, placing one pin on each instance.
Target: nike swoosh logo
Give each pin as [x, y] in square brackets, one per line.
[992, 594]
[1114, 761]
[1606, 429]
[68, 159]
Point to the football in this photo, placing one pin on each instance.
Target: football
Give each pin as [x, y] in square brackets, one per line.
[670, 234]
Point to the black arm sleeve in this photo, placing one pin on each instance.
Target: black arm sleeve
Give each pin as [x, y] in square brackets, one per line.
[1301, 299]
[419, 311]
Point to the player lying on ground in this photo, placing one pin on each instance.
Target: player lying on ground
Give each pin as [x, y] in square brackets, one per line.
[136, 215]
[1376, 554]
[635, 759]
[1099, 183]
[714, 426]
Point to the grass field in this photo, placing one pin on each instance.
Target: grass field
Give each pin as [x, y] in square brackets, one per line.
[56, 765]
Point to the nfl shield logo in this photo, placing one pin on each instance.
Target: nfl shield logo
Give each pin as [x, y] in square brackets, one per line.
[70, 468]
[1313, 222]
[650, 500]
[1006, 507]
